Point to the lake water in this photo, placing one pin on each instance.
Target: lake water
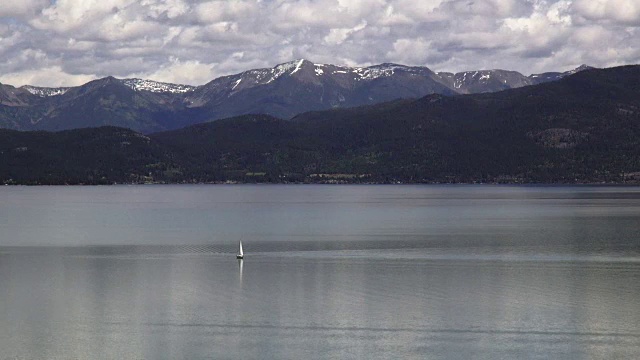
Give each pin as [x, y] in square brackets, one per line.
[337, 272]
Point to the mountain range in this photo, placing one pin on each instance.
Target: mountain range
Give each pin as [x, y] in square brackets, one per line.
[583, 128]
[282, 91]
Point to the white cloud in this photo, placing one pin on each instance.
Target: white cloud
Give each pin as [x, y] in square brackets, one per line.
[621, 11]
[490, 8]
[410, 51]
[218, 11]
[405, 12]
[558, 13]
[169, 8]
[53, 76]
[22, 8]
[339, 35]
[75, 45]
[78, 16]
[179, 72]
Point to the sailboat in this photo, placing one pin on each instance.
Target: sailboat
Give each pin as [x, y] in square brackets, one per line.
[240, 252]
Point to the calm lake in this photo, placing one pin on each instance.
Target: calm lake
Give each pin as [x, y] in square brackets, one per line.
[339, 272]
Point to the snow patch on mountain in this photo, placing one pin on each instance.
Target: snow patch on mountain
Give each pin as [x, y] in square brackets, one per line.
[374, 72]
[45, 91]
[578, 69]
[385, 70]
[283, 69]
[235, 85]
[156, 86]
[298, 66]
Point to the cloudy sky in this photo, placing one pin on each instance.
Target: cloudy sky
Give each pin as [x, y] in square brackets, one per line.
[69, 42]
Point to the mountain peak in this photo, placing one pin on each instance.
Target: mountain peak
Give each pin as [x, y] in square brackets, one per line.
[291, 67]
[389, 65]
[108, 80]
[266, 75]
[581, 68]
[293, 63]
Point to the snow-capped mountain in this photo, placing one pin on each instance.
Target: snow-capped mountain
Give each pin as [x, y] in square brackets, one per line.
[284, 91]
[298, 86]
[134, 84]
[479, 81]
[554, 76]
[266, 76]
[302, 68]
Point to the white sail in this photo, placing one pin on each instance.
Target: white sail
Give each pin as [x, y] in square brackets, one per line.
[240, 252]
